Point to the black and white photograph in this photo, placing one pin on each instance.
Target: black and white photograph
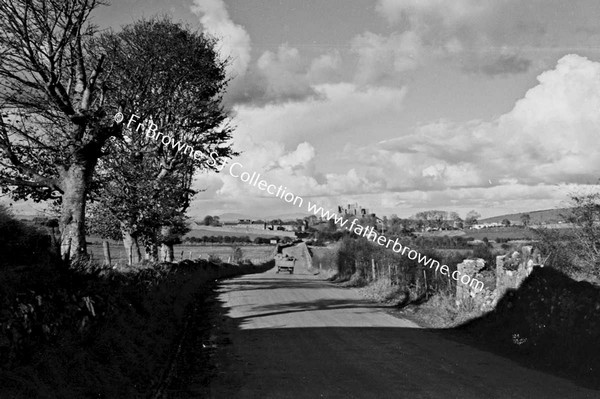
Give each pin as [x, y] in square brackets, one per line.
[281, 199]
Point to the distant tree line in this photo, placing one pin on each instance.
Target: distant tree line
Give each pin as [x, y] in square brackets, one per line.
[444, 242]
[211, 221]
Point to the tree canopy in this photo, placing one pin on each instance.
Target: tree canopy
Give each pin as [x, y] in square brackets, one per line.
[168, 80]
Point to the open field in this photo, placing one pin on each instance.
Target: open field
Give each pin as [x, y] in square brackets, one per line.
[445, 233]
[254, 253]
[492, 233]
[237, 231]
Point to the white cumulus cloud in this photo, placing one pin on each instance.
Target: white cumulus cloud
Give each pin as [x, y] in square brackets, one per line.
[235, 41]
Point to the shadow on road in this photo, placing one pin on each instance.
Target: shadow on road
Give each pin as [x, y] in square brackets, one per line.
[373, 362]
[296, 336]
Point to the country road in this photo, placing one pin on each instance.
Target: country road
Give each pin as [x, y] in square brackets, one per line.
[298, 336]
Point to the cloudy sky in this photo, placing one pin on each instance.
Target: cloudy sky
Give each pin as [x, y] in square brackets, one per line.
[403, 105]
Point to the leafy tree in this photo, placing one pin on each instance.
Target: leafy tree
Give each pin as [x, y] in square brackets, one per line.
[432, 218]
[211, 221]
[311, 220]
[100, 221]
[584, 241]
[385, 223]
[178, 82]
[135, 206]
[331, 225]
[472, 218]
[368, 221]
[505, 222]
[54, 117]
[525, 219]
[237, 254]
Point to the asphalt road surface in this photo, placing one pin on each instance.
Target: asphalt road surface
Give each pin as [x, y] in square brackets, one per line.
[298, 336]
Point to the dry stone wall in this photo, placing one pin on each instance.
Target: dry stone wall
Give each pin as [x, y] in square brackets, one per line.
[511, 270]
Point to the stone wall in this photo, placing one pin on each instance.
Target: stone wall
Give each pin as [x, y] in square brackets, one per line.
[468, 297]
[551, 318]
[511, 270]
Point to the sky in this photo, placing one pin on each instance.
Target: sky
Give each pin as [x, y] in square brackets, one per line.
[401, 105]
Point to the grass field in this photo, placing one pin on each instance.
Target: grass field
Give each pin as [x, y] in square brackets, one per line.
[512, 233]
[254, 253]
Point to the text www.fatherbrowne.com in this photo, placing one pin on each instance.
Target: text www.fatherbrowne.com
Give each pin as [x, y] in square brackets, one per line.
[367, 232]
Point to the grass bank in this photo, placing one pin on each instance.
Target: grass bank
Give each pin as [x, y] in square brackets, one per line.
[99, 333]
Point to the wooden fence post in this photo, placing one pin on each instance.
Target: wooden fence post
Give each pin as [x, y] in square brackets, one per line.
[106, 250]
[373, 269]
[425, 279]
[67, 257]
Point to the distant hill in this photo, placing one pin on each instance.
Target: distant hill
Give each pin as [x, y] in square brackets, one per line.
[288, 216]
[234, 217]
[537, 217]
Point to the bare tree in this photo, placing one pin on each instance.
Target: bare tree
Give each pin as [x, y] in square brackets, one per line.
[53, 118]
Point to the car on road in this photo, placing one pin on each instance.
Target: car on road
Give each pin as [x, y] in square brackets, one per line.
[285, 263]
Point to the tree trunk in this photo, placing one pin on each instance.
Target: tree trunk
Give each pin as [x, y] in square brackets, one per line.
[72, 219]
[166, 247]
[151, 253]
[132, 248]
[106, 250]
[166, 252]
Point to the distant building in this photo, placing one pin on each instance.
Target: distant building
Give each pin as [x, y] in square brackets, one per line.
[486, 225]
[353, 210]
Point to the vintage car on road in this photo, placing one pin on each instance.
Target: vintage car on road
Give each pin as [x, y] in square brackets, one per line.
[285, 263]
